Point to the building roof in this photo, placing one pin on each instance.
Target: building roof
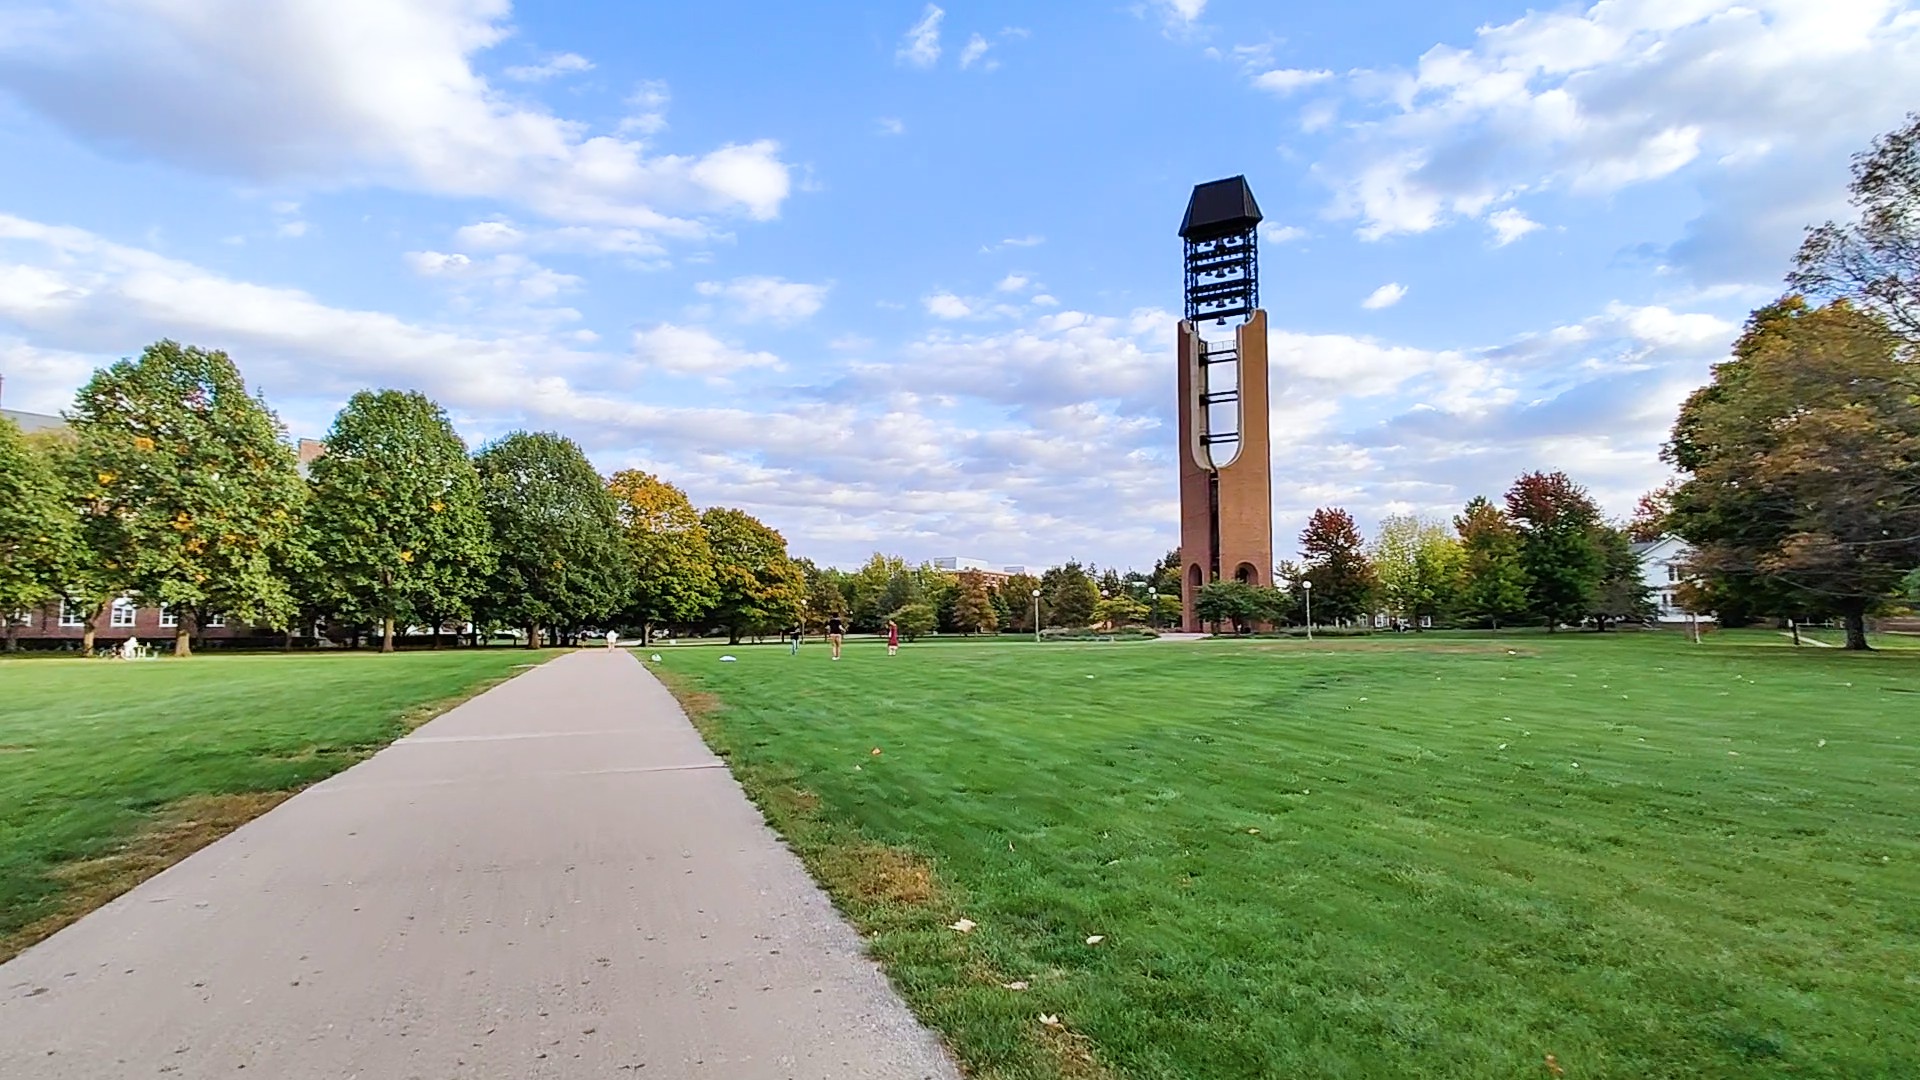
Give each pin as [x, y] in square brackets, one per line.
[1220, 208]
[30, 422]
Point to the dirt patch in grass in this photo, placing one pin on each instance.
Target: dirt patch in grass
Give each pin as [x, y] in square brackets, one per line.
[876, 874]
[1072, 1054]
[174, 833]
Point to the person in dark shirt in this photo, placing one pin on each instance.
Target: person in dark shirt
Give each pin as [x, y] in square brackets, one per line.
[794, 634]
[836, 630]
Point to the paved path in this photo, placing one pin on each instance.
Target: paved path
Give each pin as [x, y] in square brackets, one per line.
[556, 879]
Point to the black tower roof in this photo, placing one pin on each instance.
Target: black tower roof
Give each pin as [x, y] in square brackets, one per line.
[1220, 208]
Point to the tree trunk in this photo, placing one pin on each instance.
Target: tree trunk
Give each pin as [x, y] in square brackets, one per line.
[287, 645]
[386, 634]
[436, 634]
[1855, 612]
[533, 635]
[183, 638]
[89, 628]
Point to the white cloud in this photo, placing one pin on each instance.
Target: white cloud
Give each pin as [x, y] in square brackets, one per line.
[767, 299]
[1509, 225]
[1282, 234]
[508, 284]
[1183, 11]
[1014, 283]
[1285, 81]
[976, 48]
[557, 64]
[1030, 240]
[693, 350]
[920, 47]
[890, 125]
[500, 234]
[945, 305]
[291, 230]
[1385, 296]
[649, 103]
[342, 92]
[1627, 93]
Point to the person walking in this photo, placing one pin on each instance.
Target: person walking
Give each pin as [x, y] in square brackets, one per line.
[794, 634]
[613, 638]
[893, 638]
[836, 632]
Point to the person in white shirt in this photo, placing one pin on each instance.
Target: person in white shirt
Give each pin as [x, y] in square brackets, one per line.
[613, 638]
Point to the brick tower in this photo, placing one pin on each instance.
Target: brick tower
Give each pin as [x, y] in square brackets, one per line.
[1226, 469]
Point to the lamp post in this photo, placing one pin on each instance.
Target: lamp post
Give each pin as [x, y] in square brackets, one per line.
[1308, 587]
[1036, 615]
[1153, 608]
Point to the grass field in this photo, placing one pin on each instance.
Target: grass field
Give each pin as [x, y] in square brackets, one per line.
[1414, 857]
[110, 772]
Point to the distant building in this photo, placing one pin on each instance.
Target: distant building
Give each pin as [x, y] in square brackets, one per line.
[309, 450]
[958, 564]
[1663, 570]
[1011, 571]
[30, 422]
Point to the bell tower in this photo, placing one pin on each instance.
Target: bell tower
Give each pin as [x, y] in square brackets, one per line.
[1226, 466]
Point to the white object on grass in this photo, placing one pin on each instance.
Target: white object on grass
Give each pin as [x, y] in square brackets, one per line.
[656, 658]
[729, 659]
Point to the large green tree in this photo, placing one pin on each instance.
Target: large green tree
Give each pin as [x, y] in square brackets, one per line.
[1493, 584]
[37, 527]
[1236, 603]
[395, 515]
[973, 611]
[1018, 592]
[1344, 581]
[1068, 596]
[1419, 566]
[561, 561]
[192, 487]
[1802, 465]
[761, 589]
[1557, 521]
[1622, 594]
[674, 580]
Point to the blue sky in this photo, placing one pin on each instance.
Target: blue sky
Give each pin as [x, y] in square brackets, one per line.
[902, 276]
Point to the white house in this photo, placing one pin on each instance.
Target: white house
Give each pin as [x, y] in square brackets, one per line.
[1661, 568]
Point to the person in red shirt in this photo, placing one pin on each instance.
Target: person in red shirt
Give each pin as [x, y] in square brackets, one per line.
[893, 638]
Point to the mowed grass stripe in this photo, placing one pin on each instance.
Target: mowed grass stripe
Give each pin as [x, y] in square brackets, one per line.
[110, 772]
[1664, 873]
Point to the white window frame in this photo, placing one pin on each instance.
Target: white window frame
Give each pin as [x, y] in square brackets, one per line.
[169, 618]
[216, 621]
[1426, 622]
[122, 606]
[71, 616]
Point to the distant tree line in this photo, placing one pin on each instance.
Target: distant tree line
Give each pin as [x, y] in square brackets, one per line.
[173, 485]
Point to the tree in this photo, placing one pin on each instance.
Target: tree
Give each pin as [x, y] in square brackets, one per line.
[1622, 594]
[561, 559]
[395, 513]
[878, 587]
[1557, 520]
[1119, 611]
[1018, 592]
[38, 529]
[1873, 262]
[1419, 566]
[1344, 582]
[973, 611]
[192, 489]
[915, 619]
[1802, 465]
[1068, 596]
[1235, 603]
[674, 580]
[1494, 581]
[826, 596]
[761, 589]
[1650, 515]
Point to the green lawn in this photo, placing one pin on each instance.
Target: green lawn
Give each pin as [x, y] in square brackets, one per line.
[1413, 857]
[109, 771]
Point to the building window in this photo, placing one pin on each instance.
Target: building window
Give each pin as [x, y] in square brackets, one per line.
[216, 620]
[70, 615]
[122, 617]
[169, 618]
[1426, 622]
[1673, 572]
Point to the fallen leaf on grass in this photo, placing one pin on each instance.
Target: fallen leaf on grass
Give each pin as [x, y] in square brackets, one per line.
[965, 926]
[1017, 984]
[1503, 746]
[1553, 1066]
[1253, 832]
[1049, 1019]
[1823, 742]
[876, 751]
[1096, 939]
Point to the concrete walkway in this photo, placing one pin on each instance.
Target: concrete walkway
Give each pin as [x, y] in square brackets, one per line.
[556, 879]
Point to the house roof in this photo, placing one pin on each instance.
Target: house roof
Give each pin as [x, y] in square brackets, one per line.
[30, 422]
[1220, 208]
